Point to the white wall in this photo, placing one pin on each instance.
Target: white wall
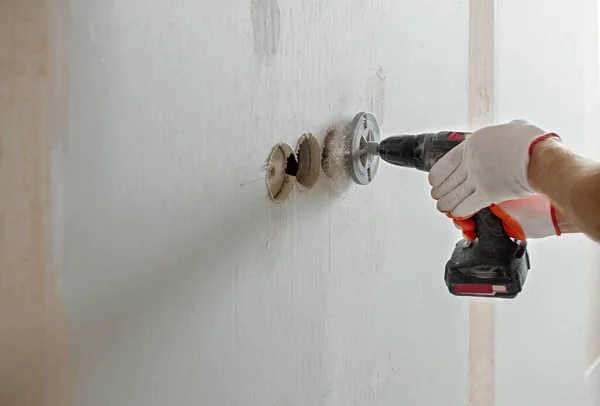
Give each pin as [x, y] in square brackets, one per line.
[184, 284]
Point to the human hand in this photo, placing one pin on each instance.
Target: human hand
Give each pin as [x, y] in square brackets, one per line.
[532, 217]
[489, 167]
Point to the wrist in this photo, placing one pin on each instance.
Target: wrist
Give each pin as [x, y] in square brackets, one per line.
[540, 159]
[563, 224]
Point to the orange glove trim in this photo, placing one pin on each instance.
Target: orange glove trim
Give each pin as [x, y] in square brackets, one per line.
[467, 226]
[511, 226]
[541, 138]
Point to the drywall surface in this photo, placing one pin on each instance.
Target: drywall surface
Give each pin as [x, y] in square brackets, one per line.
[185, 285]
[542, 49]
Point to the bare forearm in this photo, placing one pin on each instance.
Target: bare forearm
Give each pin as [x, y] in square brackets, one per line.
[572, 183]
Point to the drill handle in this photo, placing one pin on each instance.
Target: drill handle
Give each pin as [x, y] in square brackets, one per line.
[488, 226]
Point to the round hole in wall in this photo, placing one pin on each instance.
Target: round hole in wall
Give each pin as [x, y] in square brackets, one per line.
[308, 154]
[281, 167]
[334, 153]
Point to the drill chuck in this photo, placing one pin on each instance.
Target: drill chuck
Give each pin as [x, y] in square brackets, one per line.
[420, 151]
[403, 150]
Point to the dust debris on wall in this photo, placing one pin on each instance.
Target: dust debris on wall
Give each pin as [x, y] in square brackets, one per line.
[335, 154]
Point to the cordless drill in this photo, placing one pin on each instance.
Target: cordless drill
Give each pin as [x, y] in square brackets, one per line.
[493, 264]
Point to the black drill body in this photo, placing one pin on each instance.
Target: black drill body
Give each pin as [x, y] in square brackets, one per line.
[494, 264]
[419, 151]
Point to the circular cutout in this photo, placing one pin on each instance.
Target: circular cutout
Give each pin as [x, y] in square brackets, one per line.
[279, 182]
[308, 155]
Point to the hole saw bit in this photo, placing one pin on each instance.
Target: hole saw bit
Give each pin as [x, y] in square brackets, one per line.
[494, 264]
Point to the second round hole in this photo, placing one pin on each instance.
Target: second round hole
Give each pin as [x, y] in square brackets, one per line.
[308, 155]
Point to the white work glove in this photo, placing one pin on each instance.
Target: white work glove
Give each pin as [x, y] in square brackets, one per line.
[489, 167]
[532, 217]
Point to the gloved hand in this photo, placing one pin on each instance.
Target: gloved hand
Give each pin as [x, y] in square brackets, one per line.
[532, 217]
[489, 167]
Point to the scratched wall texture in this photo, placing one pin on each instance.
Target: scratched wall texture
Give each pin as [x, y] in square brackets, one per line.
[184, 284]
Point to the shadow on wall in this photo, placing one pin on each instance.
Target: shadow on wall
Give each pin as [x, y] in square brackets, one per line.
[188, 271]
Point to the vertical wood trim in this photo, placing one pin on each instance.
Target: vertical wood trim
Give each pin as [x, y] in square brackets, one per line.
[481, 112]
[33, 337]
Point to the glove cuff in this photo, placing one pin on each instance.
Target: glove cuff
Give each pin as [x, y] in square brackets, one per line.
[536, 215]
[541, 138]
[554, 220]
